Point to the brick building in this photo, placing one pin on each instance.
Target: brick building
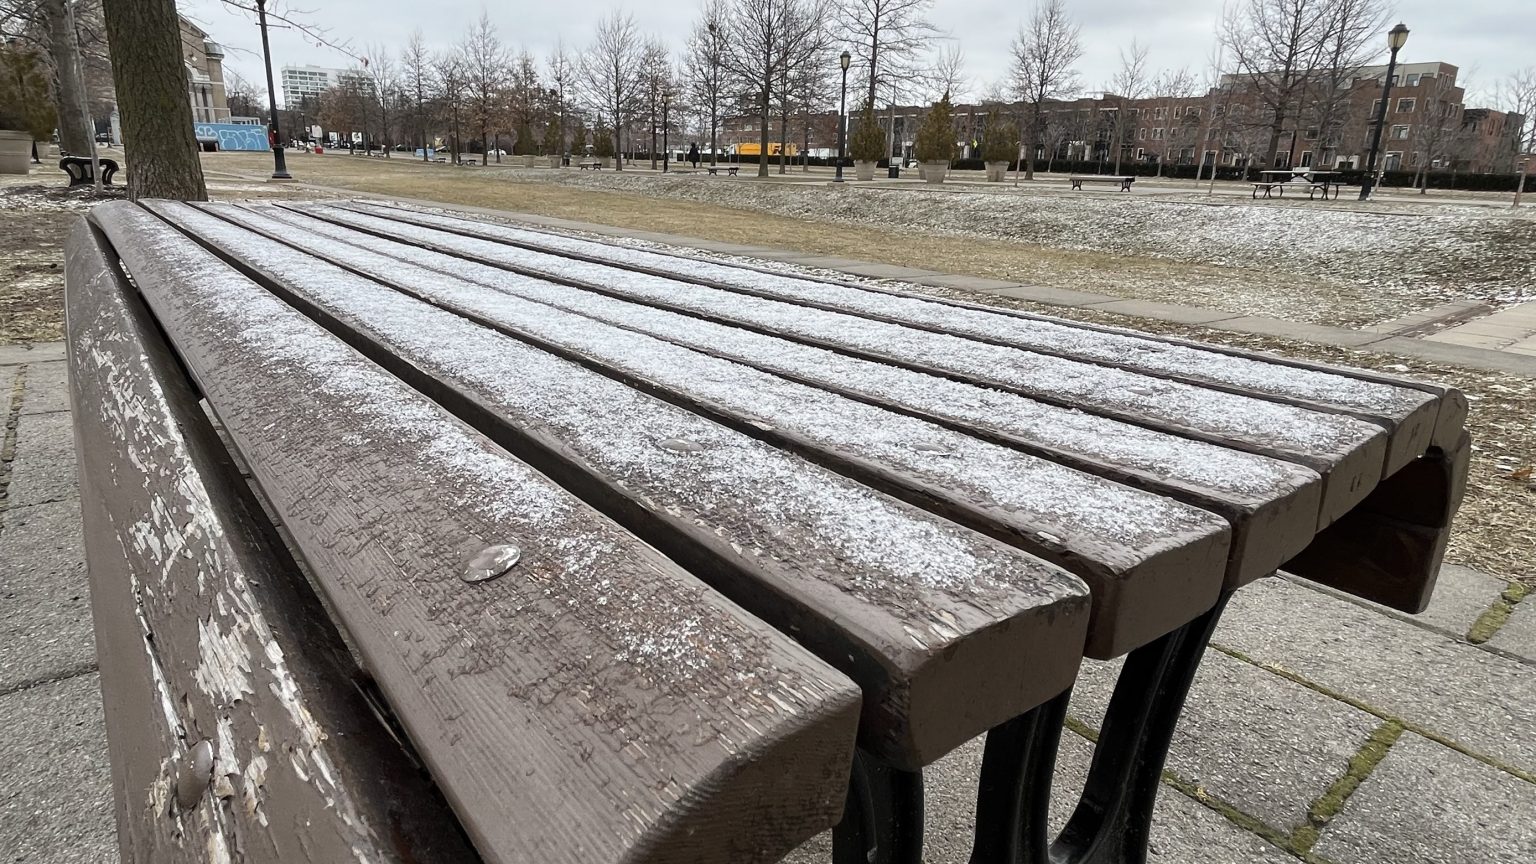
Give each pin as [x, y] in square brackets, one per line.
[204, 60]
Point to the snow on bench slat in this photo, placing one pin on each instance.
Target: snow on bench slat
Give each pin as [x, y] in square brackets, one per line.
[388, 496]
[894, 574]
[1245, 482]
[1139, 352]
[1107, 529]
[1330, 443]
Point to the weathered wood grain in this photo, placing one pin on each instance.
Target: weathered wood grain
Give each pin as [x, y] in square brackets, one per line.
[205, 632]
[596, 703]
[923, 614]
[1347, 452]
[1272, 505]
[1410, 410]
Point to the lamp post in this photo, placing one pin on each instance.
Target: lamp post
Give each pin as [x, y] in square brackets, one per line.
[279, 164]
[842, 119]
[560, 89]
[1396, 38]
[666, 152]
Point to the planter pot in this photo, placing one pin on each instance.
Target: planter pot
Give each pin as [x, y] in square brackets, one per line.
[530, 161]
[922, 170]
[554, 161]
[996, 171]
[864, 170]
[934, 172]
[15, 152]
[606, 160]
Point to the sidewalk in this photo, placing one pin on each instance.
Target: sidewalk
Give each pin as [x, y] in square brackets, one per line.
[1319, 729]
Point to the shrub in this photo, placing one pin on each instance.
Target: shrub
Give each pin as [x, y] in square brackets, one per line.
[998, 142]
[25, 105]
[523, 144]
[867, 144]
[936, 137]
[602, 141]
[553, 146]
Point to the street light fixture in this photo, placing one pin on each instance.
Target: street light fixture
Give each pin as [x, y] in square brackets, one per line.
[279, 164]
[842, 119]
[1397, 37]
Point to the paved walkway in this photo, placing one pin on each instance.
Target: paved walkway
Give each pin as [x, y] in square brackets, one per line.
[1512, 330]
[1320, 729]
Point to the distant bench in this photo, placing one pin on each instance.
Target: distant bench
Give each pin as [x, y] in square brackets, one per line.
[1123, 182]
[1276, 188]
[729, 169]
[79, 170]
[593, 164]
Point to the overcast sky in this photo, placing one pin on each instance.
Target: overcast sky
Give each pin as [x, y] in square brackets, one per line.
[1488, 39]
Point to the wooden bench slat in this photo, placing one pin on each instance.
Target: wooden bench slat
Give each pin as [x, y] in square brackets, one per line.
[597, 703]
[923, 600]
[205, 631]
[1273, 505]
[1347, 452]
[1408, 414]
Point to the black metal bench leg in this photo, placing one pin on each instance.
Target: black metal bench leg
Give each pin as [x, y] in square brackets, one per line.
[1112, 821]
[883, 819]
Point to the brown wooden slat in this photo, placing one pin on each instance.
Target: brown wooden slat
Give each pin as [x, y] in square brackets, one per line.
[596, 703]
[1349, 454]
[1409, 414]
[1272, 505]
[923, 614]
[205, 631]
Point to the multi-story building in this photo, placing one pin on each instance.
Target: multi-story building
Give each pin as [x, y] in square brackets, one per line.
[300, 82]
[204, 60]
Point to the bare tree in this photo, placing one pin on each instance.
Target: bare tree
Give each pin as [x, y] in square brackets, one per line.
[485, 65]
[768, 38]
[888, 37]
[1171, 88]
[609, 73]
[1438, 133]
[561, 72]
[1128, 84]
[1349, 43]
[946, 72]
[655, 84]
[1516, 94]
[1044, 53]
[452, 90]
[706, 66]
[386, 86]
[417, 83]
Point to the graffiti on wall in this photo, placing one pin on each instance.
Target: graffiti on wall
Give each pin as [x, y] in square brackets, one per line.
[232, 136]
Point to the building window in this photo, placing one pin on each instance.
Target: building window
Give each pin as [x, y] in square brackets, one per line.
[1375, 107]
[1310, 135]
[1413, 80]
[1159, 113]
[1399, 133]
[1405, 106]
[1157, 134]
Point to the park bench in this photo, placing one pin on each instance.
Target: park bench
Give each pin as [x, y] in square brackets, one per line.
[1124, 183]
[79, 170]
[649, 558]
[593, 164]
[1276, 182]
[729, 169]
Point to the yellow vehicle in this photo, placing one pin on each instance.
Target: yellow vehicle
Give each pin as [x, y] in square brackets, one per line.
[774, 149]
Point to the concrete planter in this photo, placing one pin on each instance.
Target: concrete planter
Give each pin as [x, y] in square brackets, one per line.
[933, 172]
[996, 171]
[922, 170]
[530, 161]
[864, 170]
[15, 152]
[554, 161]
[606, 160]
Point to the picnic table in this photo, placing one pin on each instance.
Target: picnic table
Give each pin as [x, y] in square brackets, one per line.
[410, 532]
[1277, 181]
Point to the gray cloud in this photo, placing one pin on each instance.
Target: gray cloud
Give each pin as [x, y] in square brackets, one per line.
[1488, 39]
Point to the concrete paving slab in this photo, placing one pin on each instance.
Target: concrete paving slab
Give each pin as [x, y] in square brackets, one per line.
[968, 283]
[1296, 330]
[45, 608]
[1483, 701]
[1464, 355]
[1428, 803]
[47, 388]
[44, 465]
[1461, 597]
[38, 352]
[1471, 340]
[1054, 296]
[1518, 635]
[1165, 311]
[55, 779]
[887, 271]
[8, 376]
[1266, 745]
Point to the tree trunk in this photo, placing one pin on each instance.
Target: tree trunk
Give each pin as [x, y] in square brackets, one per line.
[75, 128]
[762, 153]
[783, 142]
[1034, 142]
[151, 84]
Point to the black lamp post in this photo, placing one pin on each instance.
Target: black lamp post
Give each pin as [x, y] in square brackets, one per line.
[279, 164]
[842, 119]
[1396, 38]
[666, 152]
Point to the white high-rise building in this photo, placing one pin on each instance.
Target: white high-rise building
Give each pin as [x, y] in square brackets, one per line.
[301, 81]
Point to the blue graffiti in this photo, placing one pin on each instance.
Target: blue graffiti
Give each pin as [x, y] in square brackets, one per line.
[232, 136]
